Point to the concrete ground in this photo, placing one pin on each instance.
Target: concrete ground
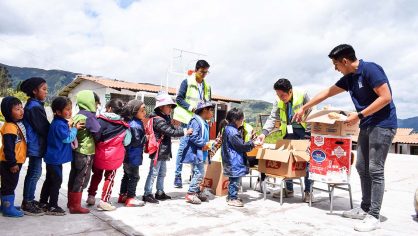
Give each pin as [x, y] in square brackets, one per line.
[258, 217]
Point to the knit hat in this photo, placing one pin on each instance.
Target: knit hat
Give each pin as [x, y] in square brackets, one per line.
[202, 105]
[131, 109]
[29, 85]
[164, 99]
[7, 105]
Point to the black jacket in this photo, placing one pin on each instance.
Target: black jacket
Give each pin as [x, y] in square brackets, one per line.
[162, 126]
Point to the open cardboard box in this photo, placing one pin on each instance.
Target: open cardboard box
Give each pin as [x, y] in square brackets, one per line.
[322, 124]
[215, 179]
[288, 158]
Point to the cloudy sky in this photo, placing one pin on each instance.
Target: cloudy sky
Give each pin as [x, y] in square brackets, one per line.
[249, 44]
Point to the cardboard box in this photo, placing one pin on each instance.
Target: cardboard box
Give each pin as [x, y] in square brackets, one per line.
[322, 124]
[288, 158]
[254, 152]
[330, 159]
[215, 179]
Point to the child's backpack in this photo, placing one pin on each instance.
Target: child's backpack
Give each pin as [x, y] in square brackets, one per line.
[152, 145]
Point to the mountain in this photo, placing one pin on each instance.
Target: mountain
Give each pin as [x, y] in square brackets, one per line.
[253, 108]
[56, 79]
[409, 123]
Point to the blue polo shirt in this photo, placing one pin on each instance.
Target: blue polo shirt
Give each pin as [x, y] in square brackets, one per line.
[360, 85]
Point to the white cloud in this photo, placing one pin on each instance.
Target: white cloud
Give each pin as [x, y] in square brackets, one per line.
[249, 43]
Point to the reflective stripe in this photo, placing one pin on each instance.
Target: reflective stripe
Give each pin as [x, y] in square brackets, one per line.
[192, 98]
[296, 105]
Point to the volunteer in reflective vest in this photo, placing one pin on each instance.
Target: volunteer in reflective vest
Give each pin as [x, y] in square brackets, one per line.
[288, 102]
[192, 90]
[371, 94]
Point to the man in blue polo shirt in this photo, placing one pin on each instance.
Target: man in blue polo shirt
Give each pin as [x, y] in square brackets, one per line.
[371, 93]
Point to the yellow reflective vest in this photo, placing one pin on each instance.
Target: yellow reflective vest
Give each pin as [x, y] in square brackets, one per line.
[297, 103]
[192, 98]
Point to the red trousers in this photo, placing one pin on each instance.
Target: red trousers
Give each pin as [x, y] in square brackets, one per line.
[107, 186]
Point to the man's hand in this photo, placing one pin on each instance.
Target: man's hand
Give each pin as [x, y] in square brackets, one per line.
[298, 115]
[352, 119]
[261, 138]
[14, 169]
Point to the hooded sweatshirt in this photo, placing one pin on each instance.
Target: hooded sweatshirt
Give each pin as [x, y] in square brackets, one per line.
[87, 115]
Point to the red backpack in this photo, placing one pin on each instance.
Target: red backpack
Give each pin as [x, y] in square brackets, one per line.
[152, 145]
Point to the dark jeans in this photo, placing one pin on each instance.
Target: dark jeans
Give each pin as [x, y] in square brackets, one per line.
[52, 185]
[32, 176]
[9, 180]
[299, 133]
[80, 172]
[373, 147]
[233, 188]
[130, 180]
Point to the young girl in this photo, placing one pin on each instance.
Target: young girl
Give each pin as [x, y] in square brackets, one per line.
[133, 113]
[58, 152]
[12, 153]
[163, 129]
[110, 151]
[196, 150]
[234, 159]
[37, 126]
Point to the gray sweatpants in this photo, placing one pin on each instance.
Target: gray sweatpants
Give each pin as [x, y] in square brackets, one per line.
[373, 147]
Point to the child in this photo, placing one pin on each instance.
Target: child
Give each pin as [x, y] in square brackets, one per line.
[83, 155]
[113, 136]
[12, 153]
[58, 152]
[163, 129]
[233, 154]
[134, 112]
[196, 150]
[37, 126]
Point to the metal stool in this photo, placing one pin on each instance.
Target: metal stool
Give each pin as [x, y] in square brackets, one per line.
[330, 192]
[251, 176]
[281, 184]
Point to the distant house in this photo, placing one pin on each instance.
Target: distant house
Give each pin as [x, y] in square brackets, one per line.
[108, 89]
[404, 142]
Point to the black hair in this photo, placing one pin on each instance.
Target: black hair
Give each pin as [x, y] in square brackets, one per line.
[202, 64]
[59, 103]
[31, 84]
[116, 105]
[7, 105]
[130, 110]
[96, 98]
[233, 115]
[343, 51]
[283, 85]
[222, 124]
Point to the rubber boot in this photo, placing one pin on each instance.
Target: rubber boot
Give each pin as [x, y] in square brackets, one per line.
[8, 205]
[74, 199]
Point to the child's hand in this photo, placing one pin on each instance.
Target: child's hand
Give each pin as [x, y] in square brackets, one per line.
[207, 146]
[14, 169]
[189, 131]
[80, 125]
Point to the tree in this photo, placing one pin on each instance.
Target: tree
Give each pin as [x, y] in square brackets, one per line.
[5, 81]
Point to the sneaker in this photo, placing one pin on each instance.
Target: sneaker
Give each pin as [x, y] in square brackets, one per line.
[369, 223]
[356, 213]
[193, 198]
[308, 196]
[162, 196]
[150, 198]
[55, 211]
[105, 206]
[235, 203]
[122, 198]
[286, 194]
[202, 197]
[30, 209]
[43, 206]
[91, 200]
[259, 187]
[178, 183]
[134, 202]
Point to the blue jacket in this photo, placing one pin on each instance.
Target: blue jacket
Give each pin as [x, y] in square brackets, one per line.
[135, 149]
[193, 153]
[37, 126]
[60, 136]
[234, 158]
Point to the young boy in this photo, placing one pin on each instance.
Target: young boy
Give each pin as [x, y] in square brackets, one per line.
[165, 130]
[12, 153]
[234, 157]
[83, 155]
[196, 150]
[37, 126]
